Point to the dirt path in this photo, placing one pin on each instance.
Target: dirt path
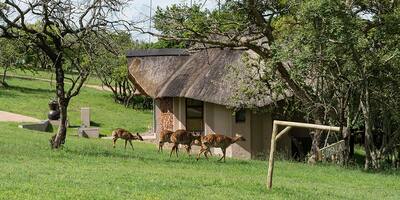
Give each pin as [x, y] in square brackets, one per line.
[97, 87]
[12, 117]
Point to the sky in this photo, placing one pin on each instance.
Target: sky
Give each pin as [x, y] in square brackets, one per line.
[139, 11]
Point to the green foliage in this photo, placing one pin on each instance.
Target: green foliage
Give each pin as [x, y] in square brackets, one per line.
[343, 58]
[254, 81]
[110, 65]
[11, 53]
[189, 16]
[192, 22]
[161, 44]
[15, 55]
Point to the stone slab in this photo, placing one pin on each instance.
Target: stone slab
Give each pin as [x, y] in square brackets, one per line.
[85, 117]
[88, 132]
[41, 126]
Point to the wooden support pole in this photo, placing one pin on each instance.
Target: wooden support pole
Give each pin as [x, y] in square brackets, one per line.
[287, 129]
[271, 156]
[306, 125]
[275, 137]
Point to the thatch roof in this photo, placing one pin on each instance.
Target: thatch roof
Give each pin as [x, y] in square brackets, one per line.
[175, 73]
[157, 52]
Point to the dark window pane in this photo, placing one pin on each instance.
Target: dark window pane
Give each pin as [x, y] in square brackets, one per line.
[194, 115]
[240, 115]
[192, 102]
[194, 112]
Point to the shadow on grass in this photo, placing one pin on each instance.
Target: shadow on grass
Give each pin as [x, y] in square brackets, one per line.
[359, 159]
[5, 92]
[95, 124]
[30, 90]
[147, 156]
[109, 154]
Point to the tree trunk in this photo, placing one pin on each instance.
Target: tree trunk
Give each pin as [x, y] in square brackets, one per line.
[315, 144]
[3, 79]
[345, 157]
[370, 159]
[347, 151]
[316, 137]
[59, 139]
[350, 133]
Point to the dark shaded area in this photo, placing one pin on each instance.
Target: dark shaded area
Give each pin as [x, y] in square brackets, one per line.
[30, 90]
[359, 159]
[50, 129]
[95, 124]
[300, 147]
[141, 102]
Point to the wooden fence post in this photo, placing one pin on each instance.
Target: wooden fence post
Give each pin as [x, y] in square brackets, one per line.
[275, 136]
[271, 156]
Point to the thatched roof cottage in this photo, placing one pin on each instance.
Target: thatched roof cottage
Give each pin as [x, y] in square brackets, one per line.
[190, 92]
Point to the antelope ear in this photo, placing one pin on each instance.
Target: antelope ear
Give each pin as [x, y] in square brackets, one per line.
[137, 133]
[238, 135]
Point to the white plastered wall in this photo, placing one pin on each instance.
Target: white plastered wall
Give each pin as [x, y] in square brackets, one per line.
[218, 119]
[179, 113]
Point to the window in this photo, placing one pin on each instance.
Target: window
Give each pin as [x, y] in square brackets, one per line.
[240, 115]
[194, 115]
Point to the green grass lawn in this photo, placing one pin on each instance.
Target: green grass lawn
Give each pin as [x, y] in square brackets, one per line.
[31, 97]
[92, 169]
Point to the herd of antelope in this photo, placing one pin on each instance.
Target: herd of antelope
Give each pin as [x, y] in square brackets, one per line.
[183, 137]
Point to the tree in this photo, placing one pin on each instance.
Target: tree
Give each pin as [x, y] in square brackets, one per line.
[325, 52]
[335, 48]
[11, 55]
[19, 54]
[110, 66]
[64, 31]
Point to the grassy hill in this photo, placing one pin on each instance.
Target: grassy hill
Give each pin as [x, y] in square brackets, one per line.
[31, 97]
[92, 169]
